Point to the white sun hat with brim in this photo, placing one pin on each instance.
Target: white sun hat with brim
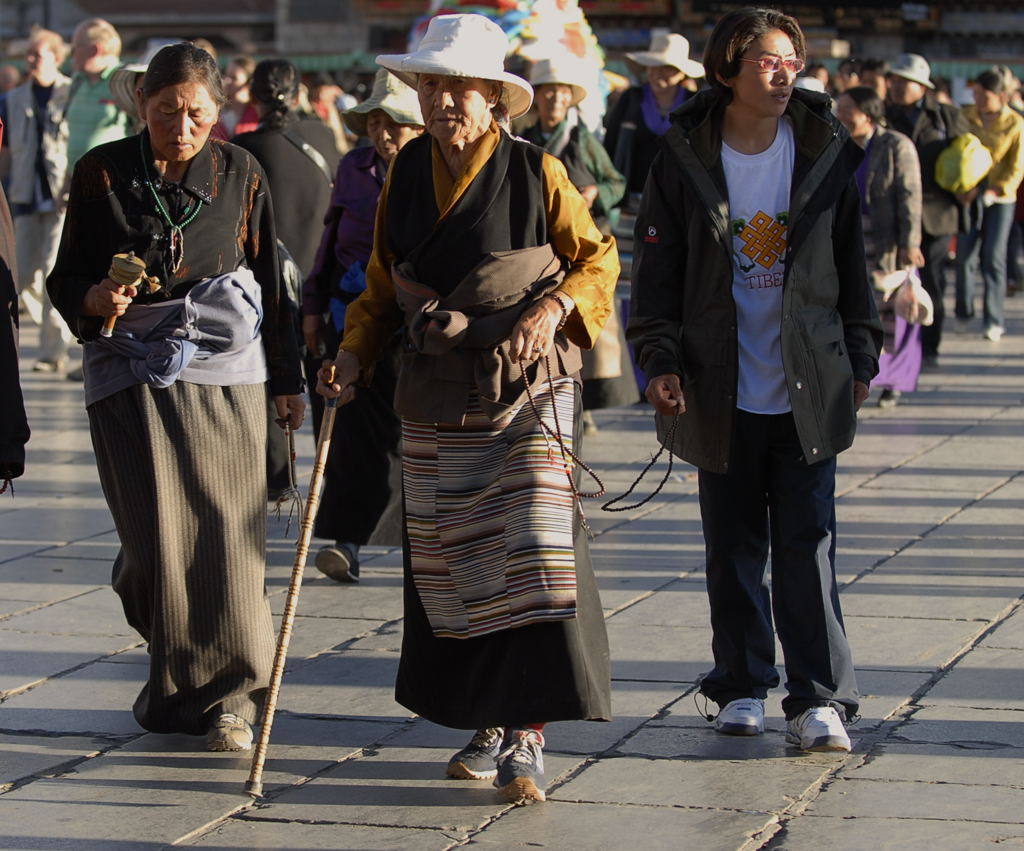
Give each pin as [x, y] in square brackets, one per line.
[390, 95]
[463, 46]
[911, 66]
[564, 71]
[668, 49]
[125, 80]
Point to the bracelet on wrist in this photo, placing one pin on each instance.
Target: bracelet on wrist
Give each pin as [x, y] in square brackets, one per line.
[563, 307]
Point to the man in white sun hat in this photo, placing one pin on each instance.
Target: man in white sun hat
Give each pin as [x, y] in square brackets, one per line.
[914, 111]
[640, 117]
[488, 255]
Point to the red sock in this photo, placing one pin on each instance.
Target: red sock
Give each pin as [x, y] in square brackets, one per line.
[538, 727]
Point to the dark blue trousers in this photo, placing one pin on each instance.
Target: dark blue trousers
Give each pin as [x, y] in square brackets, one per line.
[772, 500]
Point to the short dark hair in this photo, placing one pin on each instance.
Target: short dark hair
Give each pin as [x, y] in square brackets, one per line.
[850, 65]
[879, 66]
[183, 63]
[868, 102]
[733, 35]
[992, 81]
[275, 85]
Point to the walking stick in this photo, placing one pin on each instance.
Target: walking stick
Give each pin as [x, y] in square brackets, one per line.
[254, 785]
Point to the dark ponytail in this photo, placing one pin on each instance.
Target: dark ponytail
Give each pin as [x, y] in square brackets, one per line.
[275, 86]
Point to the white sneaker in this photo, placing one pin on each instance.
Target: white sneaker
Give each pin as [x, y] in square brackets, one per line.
[994, 333]
[818, 729]
[743, 717]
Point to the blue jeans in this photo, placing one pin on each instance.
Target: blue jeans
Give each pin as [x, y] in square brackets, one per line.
[988, 236]
[771, 497]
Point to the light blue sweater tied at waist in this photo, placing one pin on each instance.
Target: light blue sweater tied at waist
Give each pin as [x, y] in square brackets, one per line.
[211, 336]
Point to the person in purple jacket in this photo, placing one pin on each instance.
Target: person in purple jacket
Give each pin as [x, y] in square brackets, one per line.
[361, 477]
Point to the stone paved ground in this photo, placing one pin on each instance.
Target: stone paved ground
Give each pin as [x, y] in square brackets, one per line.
[930, 560]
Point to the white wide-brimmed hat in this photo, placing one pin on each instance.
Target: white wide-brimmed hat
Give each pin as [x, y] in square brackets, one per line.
[463, 46]
[390, 95]
[669, 49]
[564, 71]
[915, 68]
[125, 80]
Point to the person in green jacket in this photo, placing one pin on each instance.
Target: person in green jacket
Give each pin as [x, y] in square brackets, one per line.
[754, 320]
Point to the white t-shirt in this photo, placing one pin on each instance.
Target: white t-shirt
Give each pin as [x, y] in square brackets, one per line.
[758, 217]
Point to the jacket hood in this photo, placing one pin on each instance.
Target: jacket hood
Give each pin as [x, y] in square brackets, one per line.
[814, 126]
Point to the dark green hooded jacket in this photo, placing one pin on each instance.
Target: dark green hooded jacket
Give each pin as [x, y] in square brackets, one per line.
[682, 312]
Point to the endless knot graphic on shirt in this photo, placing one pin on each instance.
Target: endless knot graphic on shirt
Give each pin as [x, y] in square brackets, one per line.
[764, 240]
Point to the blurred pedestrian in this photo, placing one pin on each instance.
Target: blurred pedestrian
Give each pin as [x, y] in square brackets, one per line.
[559, 85]
[991, 204]
[847, 76]
[640, 116]
[14, 431]
[362, 483]
[176, 397]
[37, 137]
[487, 253]
[299, 158]
[238, 115]
[914, 111]
[323, 98]
[10, 77]
[873, 73]
[889, 180]
[92, 115]
[753, 319]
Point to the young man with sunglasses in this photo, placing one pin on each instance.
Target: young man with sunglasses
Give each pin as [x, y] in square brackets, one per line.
[754, 321]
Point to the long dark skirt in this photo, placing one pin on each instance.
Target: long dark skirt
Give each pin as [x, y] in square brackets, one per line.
[182, 472]
[554, 671]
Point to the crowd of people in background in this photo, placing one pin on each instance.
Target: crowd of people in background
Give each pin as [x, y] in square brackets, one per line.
[377, 226]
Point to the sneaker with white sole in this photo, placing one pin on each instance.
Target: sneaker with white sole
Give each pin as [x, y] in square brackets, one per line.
[520, 777]
[818, 729]
[477, 761]
[743, 717]
[994, 333]
[229, 733]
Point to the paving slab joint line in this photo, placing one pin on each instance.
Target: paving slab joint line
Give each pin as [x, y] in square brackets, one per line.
[947, 666]
[646, 595]
[37, 605]
[61, 769]
[868, 571]
[801, 803]
[923, 451]
[18, 690]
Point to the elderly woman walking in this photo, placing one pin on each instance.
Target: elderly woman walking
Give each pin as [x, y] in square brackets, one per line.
[487, 252]
[360, 480]
[176, 397]
[640, 117]
[889, 180]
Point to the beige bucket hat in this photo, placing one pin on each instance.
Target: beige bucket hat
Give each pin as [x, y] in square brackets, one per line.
[390, 95]
[668, 49]
[564, 71]
[911, 66]
[463, 46]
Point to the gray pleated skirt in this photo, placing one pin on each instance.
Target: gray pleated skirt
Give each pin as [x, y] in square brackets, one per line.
[183, 472]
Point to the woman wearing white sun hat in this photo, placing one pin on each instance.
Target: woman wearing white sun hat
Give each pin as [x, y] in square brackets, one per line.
[488, 255]
[640, 117]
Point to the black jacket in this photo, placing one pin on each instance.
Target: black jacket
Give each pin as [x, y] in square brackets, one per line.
[931, 126]
[13, 424]
[111, 210]
[683, 315]
[300, 190]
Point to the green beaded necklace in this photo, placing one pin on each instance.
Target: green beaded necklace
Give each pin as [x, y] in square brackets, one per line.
[175, 240]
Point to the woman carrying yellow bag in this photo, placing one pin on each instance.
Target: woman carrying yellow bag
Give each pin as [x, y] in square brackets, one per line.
[990, 204]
